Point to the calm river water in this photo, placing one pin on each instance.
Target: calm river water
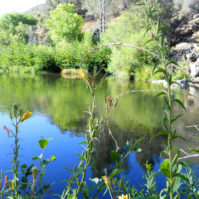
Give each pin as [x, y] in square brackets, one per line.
[59, 106]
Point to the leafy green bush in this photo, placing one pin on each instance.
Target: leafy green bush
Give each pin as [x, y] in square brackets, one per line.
[73, 55]
[45, 59]
[14, 27]
[129, 28]
[145, 73]
[19, 57]
[65, 24]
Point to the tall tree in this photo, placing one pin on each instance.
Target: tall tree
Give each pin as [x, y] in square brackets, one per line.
[65, 23]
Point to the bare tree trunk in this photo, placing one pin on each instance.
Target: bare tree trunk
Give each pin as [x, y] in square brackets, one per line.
[102, 11]
[104, 16]
[125, 4]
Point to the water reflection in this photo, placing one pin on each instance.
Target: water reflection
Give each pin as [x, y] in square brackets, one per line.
[101, 157]
[64, 102]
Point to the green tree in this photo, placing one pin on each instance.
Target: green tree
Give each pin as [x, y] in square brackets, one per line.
[52, 4]
[14, 27]
[65, 23]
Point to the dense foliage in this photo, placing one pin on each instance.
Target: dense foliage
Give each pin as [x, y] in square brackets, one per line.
[57, 42]
[14, 28]
[65, 23]
[67, 47]
[69, 51]
[129, 28]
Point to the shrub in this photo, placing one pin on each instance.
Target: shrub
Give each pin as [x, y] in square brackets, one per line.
[129, 28]
[19, 57]
[45, 59]
[14, 27]
[72, 55]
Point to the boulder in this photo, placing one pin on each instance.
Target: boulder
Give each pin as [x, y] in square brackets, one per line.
[194, 69]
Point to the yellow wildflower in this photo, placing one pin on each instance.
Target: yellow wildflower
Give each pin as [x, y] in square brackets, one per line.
[26, 116]
[83, 73]
[35, 171]
[124, 196]
[105, 180]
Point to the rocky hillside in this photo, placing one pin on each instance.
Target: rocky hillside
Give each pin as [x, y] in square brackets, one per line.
[185, 44]
[181, 16]
[89, 9]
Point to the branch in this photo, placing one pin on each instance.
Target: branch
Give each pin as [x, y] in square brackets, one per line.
[193, 126]
[184, 152]
[137, 91]
[131, 46]
[120, 44]
[188, 156]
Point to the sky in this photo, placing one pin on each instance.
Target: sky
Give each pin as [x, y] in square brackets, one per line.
[7, 6]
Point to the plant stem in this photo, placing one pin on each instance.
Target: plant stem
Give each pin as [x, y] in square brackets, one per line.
[16, 153]
[170, 144]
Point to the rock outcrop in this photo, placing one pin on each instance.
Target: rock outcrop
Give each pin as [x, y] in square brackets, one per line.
[185, 44]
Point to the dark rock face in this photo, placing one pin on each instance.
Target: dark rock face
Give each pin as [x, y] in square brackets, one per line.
[184, 32]
[185, 43]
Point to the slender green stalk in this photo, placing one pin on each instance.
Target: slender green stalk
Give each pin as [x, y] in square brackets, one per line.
[85, 157]
[16, 154]
[170, 144]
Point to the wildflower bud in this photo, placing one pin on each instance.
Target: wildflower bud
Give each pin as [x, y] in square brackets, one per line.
[124, 196]
[105, 180]
[116, 103]
[35, 171]
[5, 182]
[49, 191]
[121, 182]
[152, 35]
[12, 182]
[26, 116]
[8, 131]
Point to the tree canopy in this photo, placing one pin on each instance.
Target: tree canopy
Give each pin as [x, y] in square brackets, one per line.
[65, 23]
[14, 26]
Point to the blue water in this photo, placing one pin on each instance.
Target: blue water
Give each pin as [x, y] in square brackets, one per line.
[58, 107]
[64, 146]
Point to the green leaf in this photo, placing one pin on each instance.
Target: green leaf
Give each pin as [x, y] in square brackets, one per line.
[141, 4]
[167, 103]
[174, 119]
[163, 28]
[171, 62]
[115, 172]
[194, 150]
[139, 140]
[159, 70]
[180, 103]
[158, 26]
[114, 156]
[150, 40]
[52, 158]
[177, 184]
[162, 132]
[42, 174]
[38, 157]
[155, 66]
[101, 187]
[160, 94]
[182, 177]
[24, 166]
[177, 137]
[44, 142]
[164, 167]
